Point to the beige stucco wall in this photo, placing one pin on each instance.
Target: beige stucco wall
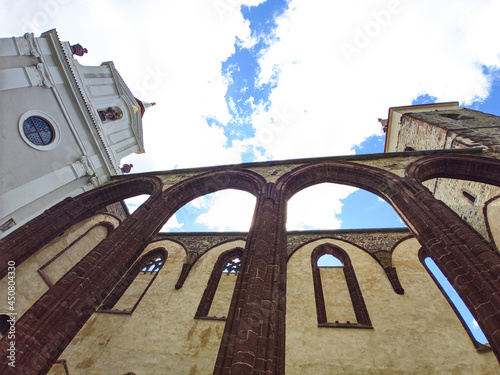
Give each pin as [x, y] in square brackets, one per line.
[161, 336]
[414, 333]
[29, 283]
[336, 295]
[223, 295]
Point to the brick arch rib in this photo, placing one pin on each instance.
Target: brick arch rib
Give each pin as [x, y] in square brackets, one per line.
[52, 322]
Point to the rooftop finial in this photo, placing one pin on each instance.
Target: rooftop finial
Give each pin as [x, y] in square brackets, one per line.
[144, 106]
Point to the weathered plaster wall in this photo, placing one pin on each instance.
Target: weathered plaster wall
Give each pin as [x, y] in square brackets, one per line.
[222, 298]
[413, 333]
[161, 336]
[434, 333]
[450, 191]
[29, 283]
[337, 298]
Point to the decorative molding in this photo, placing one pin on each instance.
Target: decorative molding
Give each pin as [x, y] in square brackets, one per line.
[33, 48]
[82, 167]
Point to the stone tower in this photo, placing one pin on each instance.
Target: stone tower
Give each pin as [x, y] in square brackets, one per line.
[447, 126]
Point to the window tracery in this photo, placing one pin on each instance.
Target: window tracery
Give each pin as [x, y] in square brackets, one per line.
[38, 131]
[229, 264]
[126, 295]
[233, 265]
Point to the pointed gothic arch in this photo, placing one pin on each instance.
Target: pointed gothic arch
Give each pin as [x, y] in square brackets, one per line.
[101, 268]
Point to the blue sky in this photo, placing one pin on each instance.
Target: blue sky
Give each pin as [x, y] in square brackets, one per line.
[267, 80]
[250, 80]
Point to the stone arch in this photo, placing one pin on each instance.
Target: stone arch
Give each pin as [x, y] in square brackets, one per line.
[460, 252]
[386, 185]
[210, 182]
[374, 180]
[463, 167]
[21, 244]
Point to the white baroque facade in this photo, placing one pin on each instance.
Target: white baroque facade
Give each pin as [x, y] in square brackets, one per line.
[68, 125]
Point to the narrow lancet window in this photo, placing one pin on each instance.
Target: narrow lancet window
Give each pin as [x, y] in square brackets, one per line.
[219, 291]
[469, 323]
[130, 290]
[339, 302]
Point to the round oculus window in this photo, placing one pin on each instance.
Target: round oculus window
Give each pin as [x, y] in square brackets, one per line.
[38, 131]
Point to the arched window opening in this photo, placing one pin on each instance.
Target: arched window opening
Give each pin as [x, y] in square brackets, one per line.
[492, 212]
[68, 257]
[132, 287]
[153, 265]
[328, 260]
[110, 114]
[339, 302]
[217, 296]
[408, 148]
[224, 210]
[330, 206]
[469, 323]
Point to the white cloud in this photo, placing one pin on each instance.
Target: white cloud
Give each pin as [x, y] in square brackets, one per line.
[171, 224]
[134, 202]
[229, 210]
[403, 50]
[324, 103]
[316, 207]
